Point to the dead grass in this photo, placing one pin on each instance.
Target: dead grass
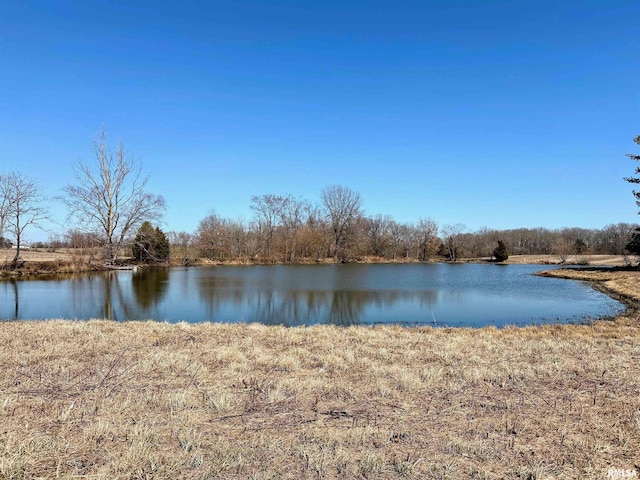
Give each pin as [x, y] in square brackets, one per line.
[624, 284]
[36, 262]
[69, 260]
[600, 260]
[33, 255]
[151, 400]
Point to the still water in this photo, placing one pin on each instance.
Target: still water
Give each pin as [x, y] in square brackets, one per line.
[435, 294]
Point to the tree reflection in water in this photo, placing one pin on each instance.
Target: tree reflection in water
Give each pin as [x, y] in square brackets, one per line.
[16, 314]
[228, 296]
[114, 306]
[113, 298]
[149, 286]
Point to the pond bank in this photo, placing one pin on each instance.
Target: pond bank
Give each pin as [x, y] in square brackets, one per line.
[621, 284]
[36, 262]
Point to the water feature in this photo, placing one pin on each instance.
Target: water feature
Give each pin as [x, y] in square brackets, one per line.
[409, 294]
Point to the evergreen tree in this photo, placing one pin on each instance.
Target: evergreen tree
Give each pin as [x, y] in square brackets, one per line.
[150, 244]
[501, 252]
[634, 243]
[633, 246]
[579, 246]
[636, 179]
[162, 246]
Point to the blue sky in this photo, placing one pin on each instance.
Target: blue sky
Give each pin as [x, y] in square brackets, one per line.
[494, 113]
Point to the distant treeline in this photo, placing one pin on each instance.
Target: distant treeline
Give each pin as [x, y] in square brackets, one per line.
[285, 229]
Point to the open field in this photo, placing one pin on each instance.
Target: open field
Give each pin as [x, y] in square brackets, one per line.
[45, 262]
[151, 400]
[6, 255]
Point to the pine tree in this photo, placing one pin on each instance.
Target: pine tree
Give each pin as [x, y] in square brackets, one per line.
[150, 244]
[633, 246]
[162, 246]
[635, 180]
[634, 243]
[501, 252]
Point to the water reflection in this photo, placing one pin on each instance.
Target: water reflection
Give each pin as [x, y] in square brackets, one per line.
[100, 296]
[471, 295]
[150, 286]
[298, 305]
[16, 313]
[346, 308]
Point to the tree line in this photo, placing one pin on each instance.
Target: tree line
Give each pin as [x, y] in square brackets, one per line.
[314, 239]
[110, 209]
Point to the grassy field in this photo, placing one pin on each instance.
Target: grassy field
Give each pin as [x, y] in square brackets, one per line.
[151, 400]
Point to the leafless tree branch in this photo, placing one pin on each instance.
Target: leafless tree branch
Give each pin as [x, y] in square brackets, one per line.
[110, 199]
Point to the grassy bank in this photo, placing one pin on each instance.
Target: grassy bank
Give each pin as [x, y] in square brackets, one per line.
[68, 260]
[149, 400]
[618, 283]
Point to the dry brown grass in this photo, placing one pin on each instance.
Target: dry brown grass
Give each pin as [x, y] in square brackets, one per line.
[601, 260]
[618, 283]
[151, 400]
[60, 255]
[85, 255]
[45, 262]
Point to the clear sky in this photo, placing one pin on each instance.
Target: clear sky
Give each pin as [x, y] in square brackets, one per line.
[487, 113]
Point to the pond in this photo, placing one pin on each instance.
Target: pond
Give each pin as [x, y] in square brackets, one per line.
[472, 295]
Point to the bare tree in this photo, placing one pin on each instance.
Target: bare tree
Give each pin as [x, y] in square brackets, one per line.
[23, 204]
[110, 199]
[612, 238]
[482, 242]
[563, 248]
[209, 235]
[377, 234]
[427, 230]
[403, 238]
[238, 235]
[4, 204]
[452, 235]
[343, 207]
[313, 236]
[268, 211]
[180, 245]
[292, 220]
[212, 237]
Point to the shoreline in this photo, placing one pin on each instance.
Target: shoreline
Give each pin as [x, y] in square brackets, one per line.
[35, 263]
[620, 284]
